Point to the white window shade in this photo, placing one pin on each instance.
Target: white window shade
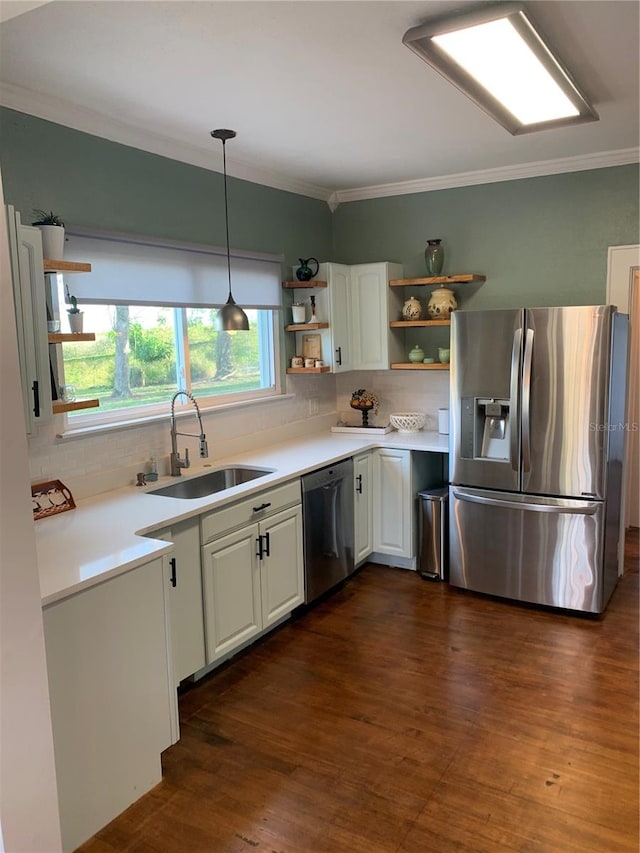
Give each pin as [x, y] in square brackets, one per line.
[139, 272]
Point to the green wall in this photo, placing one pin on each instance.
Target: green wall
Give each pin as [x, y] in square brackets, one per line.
[539, 241]
[94, 183]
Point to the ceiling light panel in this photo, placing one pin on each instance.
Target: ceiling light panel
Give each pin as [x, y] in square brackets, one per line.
[497, 58]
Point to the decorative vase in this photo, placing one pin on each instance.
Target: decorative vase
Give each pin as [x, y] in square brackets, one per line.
[416, 355]
[52, 241]
[441, 303]
[75, 321]
[434, 257]
[443, 355]
[412, 309]
[304, 271]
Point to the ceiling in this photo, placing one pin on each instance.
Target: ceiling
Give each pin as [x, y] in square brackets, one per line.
[325, 98]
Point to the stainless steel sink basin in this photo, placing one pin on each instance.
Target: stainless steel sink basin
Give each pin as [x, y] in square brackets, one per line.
[209, 484]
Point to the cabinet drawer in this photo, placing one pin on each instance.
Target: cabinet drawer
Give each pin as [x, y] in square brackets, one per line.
[251, 509]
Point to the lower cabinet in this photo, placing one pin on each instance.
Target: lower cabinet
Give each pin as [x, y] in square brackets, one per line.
[398, 476]
[363, 507]
[253, 576]
[113, 701]
[184, 580]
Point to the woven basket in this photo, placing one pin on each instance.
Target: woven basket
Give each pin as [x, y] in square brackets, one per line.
[408, 421]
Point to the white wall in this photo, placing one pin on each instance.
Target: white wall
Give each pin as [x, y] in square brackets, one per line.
[28, 795]
[398, 391]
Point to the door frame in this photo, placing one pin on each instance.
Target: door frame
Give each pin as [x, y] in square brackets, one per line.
[622, 261]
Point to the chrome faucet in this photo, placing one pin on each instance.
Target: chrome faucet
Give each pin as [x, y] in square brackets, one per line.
[177, 463]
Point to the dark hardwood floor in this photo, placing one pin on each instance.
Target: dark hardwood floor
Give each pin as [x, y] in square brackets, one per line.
[402, 715]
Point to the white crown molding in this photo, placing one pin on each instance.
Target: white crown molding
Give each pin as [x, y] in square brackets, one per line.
[63, 112]
[579, 163]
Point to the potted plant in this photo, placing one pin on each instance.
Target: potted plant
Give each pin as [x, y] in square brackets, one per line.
[52, 230]
[75, 316]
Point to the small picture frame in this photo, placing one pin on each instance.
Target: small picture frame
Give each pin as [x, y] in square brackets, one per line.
[311, 346]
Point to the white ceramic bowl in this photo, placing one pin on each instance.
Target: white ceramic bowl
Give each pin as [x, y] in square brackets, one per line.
[408, 421]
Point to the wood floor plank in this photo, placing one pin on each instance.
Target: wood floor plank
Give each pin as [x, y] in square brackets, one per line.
[400, 715]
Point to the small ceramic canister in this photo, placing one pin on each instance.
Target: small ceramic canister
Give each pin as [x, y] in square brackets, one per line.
[297, 361]
[309, 362]
[319, 362]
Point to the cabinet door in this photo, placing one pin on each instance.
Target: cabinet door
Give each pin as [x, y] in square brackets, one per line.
[393, 503]
[110, 697]
[363, 507]
[370, 301]
[340, 317]
[282, 567]
[185, 599]
[231, 580]
[31, 319]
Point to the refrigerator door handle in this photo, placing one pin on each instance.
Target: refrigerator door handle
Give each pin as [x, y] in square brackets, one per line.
[569, 507]
[526, 401]
[515, 393]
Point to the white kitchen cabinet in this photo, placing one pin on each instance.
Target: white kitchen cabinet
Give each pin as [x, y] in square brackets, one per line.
[184, 579]
[371, 304]
[393, 527]
[398, 476]
[281, 570]
[113, 701]
[363, 507]
[252, 564]
[358, 305]
[27, 272]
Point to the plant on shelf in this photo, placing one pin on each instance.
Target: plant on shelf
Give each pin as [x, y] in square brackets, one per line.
[75, 315]
[52, 229]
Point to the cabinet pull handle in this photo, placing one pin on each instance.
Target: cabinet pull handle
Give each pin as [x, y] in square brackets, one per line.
[359, 486]
[36, 398]
[259, 544]
[174, 579]
[267, 552]
[261, 507]
[339, 356]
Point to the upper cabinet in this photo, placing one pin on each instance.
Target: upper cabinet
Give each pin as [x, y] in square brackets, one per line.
[353, 305]
[27, 272]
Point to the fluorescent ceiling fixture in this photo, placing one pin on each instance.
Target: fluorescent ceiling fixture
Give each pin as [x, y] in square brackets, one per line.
[495, 56]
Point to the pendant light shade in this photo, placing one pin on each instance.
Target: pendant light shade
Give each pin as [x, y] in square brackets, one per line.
[231, 317]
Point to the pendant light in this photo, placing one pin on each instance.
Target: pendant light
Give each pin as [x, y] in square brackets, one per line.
[231, 317]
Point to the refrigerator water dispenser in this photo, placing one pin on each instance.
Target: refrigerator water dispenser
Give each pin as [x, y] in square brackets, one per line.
[491, 429]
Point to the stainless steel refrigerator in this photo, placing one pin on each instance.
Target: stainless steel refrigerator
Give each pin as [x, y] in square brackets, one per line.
[535, 467]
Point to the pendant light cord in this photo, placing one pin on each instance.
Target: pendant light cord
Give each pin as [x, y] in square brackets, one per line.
[226, 211]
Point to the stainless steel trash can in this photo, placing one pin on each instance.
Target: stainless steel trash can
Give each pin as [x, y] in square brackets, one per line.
[433, 552]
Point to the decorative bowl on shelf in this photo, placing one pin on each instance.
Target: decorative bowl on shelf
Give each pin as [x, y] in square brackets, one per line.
[408, 421]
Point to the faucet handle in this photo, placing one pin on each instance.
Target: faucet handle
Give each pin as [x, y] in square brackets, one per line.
[186, 462]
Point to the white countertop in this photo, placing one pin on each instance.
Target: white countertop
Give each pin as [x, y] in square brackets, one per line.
[109, 533]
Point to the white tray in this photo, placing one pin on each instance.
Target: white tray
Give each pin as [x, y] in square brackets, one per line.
[372, 430]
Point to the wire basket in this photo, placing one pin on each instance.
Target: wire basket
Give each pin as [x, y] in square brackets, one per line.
[408, 421]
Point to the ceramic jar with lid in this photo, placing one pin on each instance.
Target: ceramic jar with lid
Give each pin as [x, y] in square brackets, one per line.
[416, 355]
[412, 309]
[442, 303]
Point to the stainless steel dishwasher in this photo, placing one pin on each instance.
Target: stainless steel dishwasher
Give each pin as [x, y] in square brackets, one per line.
[327, 507]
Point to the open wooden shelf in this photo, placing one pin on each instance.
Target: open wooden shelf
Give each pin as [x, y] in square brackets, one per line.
[59, 408]
[308, 369]
[412, 324]
[65, 266]
[305, 327]
[297, 285]
[439, 279]
[70, 337]
[409, 365]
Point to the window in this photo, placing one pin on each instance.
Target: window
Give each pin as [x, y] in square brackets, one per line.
[145, 350]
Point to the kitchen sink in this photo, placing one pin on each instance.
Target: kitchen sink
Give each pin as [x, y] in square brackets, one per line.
[209, 484]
